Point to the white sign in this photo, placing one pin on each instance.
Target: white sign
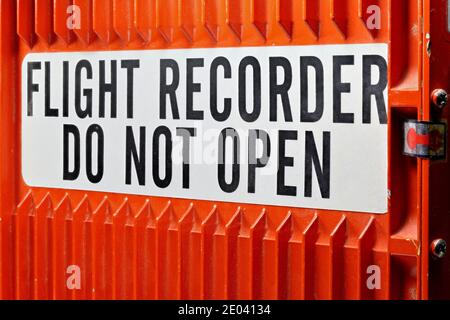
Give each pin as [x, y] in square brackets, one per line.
[297, 126]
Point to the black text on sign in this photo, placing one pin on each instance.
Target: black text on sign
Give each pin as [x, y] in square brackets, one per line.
[291, 126]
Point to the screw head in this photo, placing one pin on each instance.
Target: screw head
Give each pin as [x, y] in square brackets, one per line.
[439, 248]
[439, 98]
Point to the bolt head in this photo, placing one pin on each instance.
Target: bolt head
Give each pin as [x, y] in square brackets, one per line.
[440, 98]
[439, 248]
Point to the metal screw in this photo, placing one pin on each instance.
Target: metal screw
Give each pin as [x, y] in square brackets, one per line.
[439, 98]
[439, 248]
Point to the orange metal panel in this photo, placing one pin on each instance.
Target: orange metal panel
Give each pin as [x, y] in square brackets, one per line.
[436, 223]
[135, 247]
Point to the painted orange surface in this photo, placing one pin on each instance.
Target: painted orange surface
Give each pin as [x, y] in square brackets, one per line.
[135, 247]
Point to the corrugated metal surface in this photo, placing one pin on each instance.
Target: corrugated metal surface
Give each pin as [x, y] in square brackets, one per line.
[137, 247]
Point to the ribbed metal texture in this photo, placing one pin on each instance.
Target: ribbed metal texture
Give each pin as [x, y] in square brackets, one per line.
[145, 248]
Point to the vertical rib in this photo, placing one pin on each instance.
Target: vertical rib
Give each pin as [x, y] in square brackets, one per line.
[170, 23]
[24, 218]
[144, 13]
[102, 24]
[191, 227]
[337, 241]
[365, 244]
[309, 237]
[102, 261]
[283, 235]
[214, 260]
[123, 17]
[61, 247]
[217, 22]
[85, 31]
[242, 21]
[339, 15]
[146, 256]
[44, 21]
[269, 15]
[42, 249]
[257, 231]
[123, 252]
[81, 247]
[25, 21]
[267, 286]
[167, 254]
[311, 10]
[193, 22]
[60, 14]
